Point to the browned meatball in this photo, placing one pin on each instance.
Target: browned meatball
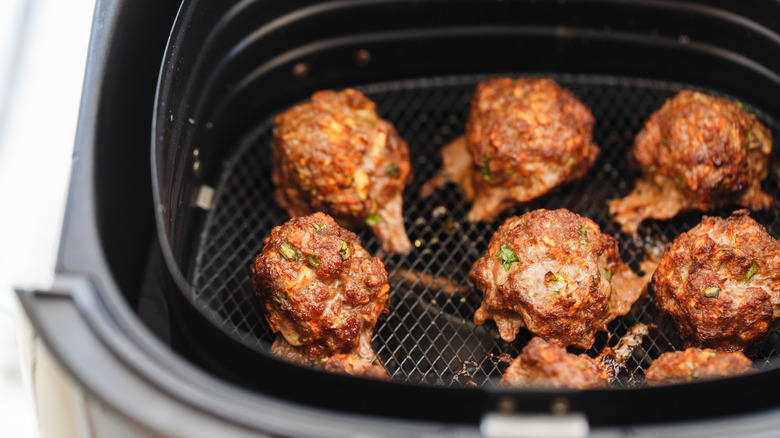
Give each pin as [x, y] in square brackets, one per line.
[695, 364]
[342, 363]
[720, 283]
[547, 364]
[336, 155]
[543, 363]
[524, 138]
[354, 366]
[555, 273]
[321, 290]
[696, 153]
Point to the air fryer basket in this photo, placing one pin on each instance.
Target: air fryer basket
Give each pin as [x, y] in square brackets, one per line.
[429, 335]
[420, 62]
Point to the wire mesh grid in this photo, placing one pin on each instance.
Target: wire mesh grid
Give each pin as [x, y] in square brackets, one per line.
[429, 335]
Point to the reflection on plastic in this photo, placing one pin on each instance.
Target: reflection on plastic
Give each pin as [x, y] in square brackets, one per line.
[496, 425]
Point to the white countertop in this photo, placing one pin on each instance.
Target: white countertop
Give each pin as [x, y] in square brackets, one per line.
[43, 47]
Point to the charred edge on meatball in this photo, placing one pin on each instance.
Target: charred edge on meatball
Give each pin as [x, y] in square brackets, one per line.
[524, 138]
[613, 359]
[696, 364]
[696, 153]
[336, 155]
[321, 290]
[720, 284]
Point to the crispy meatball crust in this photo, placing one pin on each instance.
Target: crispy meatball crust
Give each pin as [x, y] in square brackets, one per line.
[696, 153]
[547, 364]
[336, 155]
[720, 284]
[321, 290]
[555, 273]
[524, 138]
[696, 364]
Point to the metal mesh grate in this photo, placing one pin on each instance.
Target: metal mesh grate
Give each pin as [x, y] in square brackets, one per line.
[429, 335]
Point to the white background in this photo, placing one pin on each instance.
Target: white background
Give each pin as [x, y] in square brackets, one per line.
[43, 47]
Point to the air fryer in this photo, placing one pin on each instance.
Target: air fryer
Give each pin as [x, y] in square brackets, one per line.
[166, 248]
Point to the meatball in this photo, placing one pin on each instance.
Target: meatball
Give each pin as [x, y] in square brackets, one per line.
[720, 284]
[555, 273]
[547, 364]
[348, 364]
[322, 291]
[342, 363]
[336, 155]
[696, 153]
[543, 363]
[524, 138]
[695, 364]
